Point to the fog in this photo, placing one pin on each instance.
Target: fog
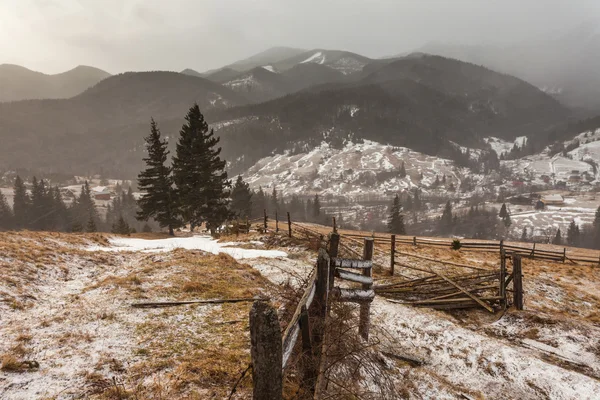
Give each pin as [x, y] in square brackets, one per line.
[120, 35]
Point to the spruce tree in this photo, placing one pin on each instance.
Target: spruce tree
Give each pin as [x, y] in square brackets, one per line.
[156, 181]
[402, 170]
[258, 204]
[558, 238]
[396, 219]
[21, 204]
[316, 208]
[507, 221]
[524, 234]
[82, 209]
[274, 201]
[573, 234]
[199, 174]
[446, 222]
[121, 226]
[6, 214]
[503, 212]
[241, 199]
[91, 225]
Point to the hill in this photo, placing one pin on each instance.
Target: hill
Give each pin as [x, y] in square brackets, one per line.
[102, 129]
[564, 64]
[415, 102]
[268, 57]
[19, 83]
[342, 61]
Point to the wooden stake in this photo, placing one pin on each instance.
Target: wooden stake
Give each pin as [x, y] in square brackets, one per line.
[266, 352]
[365, 308]
[517, 283]
[414, 240]
[289, 225]
[393, 254]
[276, 222]
[334, 243]
[502, 291]
[266, 219]
[334, 225]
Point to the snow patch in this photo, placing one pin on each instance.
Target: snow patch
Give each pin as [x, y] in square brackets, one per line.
[318, 58]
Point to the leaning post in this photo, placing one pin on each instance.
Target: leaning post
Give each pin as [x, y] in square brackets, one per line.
[289, 225]
[393, 254]
[365, 307]
[517, 283]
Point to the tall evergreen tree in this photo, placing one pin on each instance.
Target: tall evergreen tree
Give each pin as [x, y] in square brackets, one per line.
[156, 181]
[6, 214]
[316, 209]
[297, 209]
[259, 203]
[121, 226]
[573, 234]
[82, 209]
[199, 174]
[558, 238]
[241, 199]
[507, 220]
[503, 212]
[21, 204]
[447, 221]
[396, 219]
[402, 170]
[274, 201]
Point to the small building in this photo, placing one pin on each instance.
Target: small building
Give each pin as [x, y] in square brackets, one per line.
[100, 193]
[553, 200]
[518, 183]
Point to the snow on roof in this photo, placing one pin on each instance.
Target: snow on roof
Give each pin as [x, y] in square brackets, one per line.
[553, 197]
[99, 189]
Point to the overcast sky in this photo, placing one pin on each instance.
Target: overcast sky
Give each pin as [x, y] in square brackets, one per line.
[123, 35]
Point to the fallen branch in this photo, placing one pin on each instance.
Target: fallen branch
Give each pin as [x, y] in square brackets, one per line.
[402, 357]
[248, 368]
[181, 303]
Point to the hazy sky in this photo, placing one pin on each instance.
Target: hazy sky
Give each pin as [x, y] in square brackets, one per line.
[120, 35]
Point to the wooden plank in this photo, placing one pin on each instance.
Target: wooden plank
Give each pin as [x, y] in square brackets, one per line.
[353, 277]
[180, 303]
[456, 285]
[352, 263]
[305, 300]
[353, 295]
[448, 301]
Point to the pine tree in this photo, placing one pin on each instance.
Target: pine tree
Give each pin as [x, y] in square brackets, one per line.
[524, 234]
[503, 212]
[573, 234]
[41, 205]
[21, 204]
[558, 238]
[156, 181]
[121, 227]
[259, 203]
[447, 221]
[6, 214]
[82, 209]
[274, 201]
[507, 221]
[316, 208]
[199, 174]
[241, 199]
[91, 225]
[402, 170]
[396, 219]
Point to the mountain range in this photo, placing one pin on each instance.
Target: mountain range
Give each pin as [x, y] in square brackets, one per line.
[283, 99]
[19, 83]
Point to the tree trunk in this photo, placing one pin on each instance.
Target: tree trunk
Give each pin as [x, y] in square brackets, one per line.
[171, 233]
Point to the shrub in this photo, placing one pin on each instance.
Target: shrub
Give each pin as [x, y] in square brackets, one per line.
[456, 245]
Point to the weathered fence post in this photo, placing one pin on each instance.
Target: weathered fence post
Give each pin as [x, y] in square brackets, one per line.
[502, 292]
[334, 242]
[266, 219]
[414, 240]
[393, 254]
[501, 246]
[266, 352]
[334, 224]
[309, 374]
[564, 255]
[289, 225]
[276, 222]
[365, 307]
[517, 283]
[320, 303]
[533, 251]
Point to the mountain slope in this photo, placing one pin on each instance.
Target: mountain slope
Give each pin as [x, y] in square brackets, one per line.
[564, 64]
[19, 83]
[102, 129]
[342, 61]
[423, 103]
[270, 56]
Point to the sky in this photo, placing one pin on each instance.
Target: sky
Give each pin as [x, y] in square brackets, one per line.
[53, 36]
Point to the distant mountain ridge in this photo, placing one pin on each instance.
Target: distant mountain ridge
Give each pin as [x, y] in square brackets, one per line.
[19, 83]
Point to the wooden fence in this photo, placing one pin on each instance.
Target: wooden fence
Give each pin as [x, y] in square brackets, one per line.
[271, 349]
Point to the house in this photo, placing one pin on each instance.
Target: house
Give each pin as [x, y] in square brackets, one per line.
[100, 193]
[553, 200]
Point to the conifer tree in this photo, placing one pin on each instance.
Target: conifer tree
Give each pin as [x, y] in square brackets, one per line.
[258, 204]
[199, 174]
[274, 200]
[524, 234]
[21, 204]
[402, 170]
[558, 238]
[6, 214]
[121, 227]
[156, 181]
[297, 209]
[447, 221]
[241, 199]
[41, 206]
[573, 234]
[507, 221]
[91, 225]
[82, 209]
[396, 219]
[316, 208]
[503, 212]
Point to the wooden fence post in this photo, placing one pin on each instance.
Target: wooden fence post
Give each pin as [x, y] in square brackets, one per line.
[334, 242]
[309, 374]
[564, 255]
[276, 222]
[414, 240]
[533, 251]
[289, 225]
[266, 219]
[501, 246]
[502, 292]
[266, 352]
[517, 283]
[393, 254]
[365, 307]
[334, 224]
[320, 303]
